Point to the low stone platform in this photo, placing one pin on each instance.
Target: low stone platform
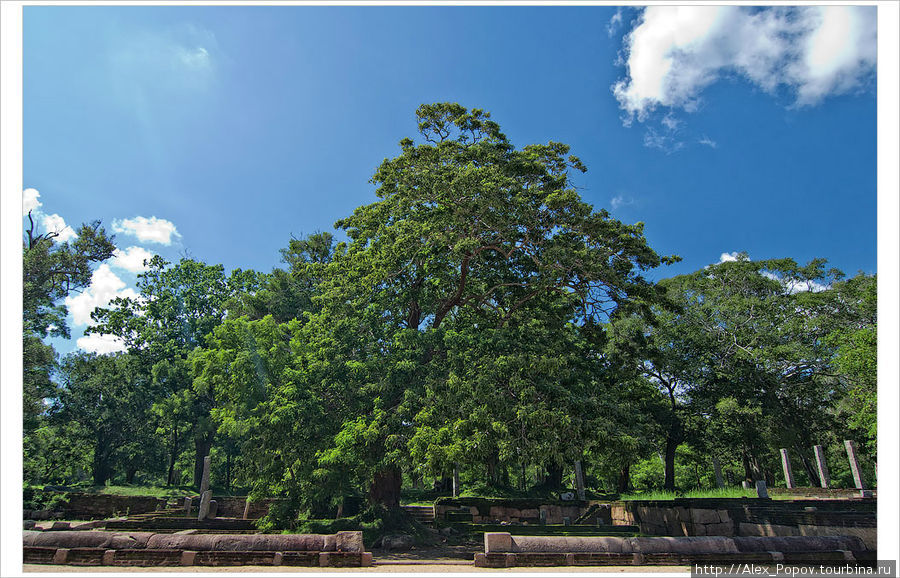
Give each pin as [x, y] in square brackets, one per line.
[503, 550]
[98, 548]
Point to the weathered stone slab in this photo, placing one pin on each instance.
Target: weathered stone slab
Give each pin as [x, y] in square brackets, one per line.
[786, 466]
[579, 480]
[797, 543]
[684, 545]
[717, 468]
[700, 516]
[822, 465]
[86, 539]
[240, 542]
[850, 446]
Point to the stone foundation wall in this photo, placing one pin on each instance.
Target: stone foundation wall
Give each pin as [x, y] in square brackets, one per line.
[81, 506]
[751, 517]
[485, 511]
[233, 507]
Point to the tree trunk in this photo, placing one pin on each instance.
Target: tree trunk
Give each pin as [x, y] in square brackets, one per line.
[173, 452]
[748, 471]
[100, 472]
[385, 487]
[672, 442]
[202, 445]
[624, 479]
[553, 481]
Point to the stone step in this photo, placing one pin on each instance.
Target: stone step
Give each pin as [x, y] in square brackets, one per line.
[181, 523]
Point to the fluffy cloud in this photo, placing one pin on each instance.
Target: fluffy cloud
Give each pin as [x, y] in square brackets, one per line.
[105, 286]
[131, 259]
[620, 201]
[674, 52]
[30, 201]
[56, 224]
[101, 344]
[733, 256]
[796, 286]
[150, 230]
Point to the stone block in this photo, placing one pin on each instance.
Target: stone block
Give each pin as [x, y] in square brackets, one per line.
[701, 516]
[351, 541]
[324, 559]
[365, 559]
[109, 558]
[720, 529]
[529, 513]
[497, 542]
[691, 545]
[188, 558]
[61, 556]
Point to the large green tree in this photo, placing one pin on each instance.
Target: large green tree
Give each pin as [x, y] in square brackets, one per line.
[743, 359]
[178, 306]
[51, 270]
[108, 397]
[465, 222]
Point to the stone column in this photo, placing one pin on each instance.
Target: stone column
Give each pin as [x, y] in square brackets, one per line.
[247, 509]
[761, 491]
[786, 465]
[455, 481]
[717, 468]
[187, 506]
[579, 480]
[824, 477]
[205, 493]
[854, 464]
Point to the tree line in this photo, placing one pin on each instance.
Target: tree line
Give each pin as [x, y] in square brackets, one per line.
[479, 317]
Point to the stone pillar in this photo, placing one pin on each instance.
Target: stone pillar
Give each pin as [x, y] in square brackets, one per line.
[717, 468]
[579, 480]
[247, 509]
[455, 480]
[761, 491]
[187, 506]
[824, 477]
[745, 484]
[205, 499]
[205, 494]
[213, 509]
[850, 445]
[786, 465]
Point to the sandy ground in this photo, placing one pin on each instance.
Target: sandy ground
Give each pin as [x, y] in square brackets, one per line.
[389, 568]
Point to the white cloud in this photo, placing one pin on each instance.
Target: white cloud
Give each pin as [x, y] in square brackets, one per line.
[56, 224]
[30, 201]
[664, 141]
[705, 140]
[796, 286]
[105, 286]
[614, 23]
[150, 230]
[132, 259]
[674, 52]
[620, 201]
[726, 257]
[102, 344]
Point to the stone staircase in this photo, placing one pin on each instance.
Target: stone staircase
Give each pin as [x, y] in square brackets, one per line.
[422, 514]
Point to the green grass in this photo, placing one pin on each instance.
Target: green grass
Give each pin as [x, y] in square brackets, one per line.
[151, 491]
[701, 493]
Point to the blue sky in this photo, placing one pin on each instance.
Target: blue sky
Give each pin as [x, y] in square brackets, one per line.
[219, 132]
